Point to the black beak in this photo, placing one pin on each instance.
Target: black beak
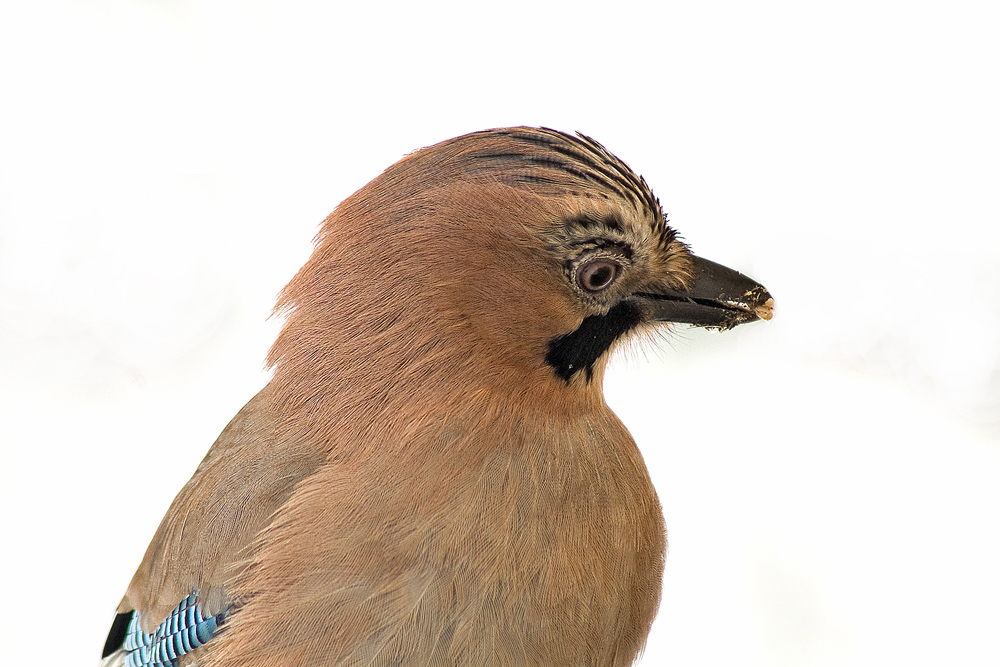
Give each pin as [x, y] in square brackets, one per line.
[718, 298]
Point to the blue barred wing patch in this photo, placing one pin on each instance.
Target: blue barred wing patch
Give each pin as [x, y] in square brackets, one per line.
[185, 629]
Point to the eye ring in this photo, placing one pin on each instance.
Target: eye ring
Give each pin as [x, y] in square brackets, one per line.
[598, 274]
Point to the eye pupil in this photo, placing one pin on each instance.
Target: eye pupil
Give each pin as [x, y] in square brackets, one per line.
[600, 277]
[597, 274]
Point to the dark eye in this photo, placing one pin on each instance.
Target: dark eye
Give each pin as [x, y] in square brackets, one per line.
[597, 274]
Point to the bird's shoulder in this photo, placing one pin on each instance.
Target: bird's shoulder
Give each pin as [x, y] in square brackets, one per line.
[247, 474]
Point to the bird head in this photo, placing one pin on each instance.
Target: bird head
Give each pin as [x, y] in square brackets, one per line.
[509, 253]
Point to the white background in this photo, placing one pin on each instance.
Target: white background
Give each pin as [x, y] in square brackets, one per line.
[829, 478]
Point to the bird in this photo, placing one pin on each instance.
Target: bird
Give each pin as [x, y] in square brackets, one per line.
[431, 475]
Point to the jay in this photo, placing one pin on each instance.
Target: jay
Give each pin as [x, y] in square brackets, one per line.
[432, 476]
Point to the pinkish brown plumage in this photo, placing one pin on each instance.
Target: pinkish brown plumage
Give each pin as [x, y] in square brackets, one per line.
[432, 476]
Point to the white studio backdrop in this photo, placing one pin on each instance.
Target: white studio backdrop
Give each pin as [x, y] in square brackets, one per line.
[828, 478]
